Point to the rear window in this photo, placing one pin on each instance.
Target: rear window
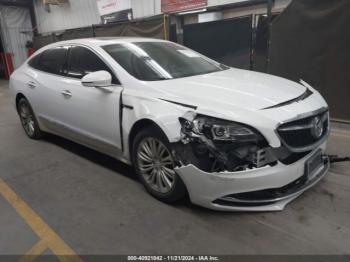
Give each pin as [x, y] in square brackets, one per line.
[34, 61]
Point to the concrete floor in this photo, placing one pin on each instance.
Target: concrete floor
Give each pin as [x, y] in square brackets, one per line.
[96, 205]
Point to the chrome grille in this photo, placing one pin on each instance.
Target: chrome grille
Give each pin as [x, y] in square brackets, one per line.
[305, 133]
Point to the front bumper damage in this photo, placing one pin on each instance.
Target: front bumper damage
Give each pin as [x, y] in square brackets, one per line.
[271, 187]
[251, 174]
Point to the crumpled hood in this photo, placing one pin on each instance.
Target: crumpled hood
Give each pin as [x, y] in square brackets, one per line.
[229, 89]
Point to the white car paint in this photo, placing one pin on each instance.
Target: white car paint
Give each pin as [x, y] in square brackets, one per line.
[91, 115]
[226, 183]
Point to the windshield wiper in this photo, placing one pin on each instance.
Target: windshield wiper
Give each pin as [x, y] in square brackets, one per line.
[156, 78]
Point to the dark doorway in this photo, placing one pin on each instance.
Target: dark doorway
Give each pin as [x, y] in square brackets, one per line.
[172, 33]
[310, 40]
[226, 41]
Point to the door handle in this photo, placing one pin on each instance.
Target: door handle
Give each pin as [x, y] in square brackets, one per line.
[66, 93]
[31, 84]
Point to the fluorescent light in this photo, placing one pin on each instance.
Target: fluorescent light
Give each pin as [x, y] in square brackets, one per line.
[193, 11]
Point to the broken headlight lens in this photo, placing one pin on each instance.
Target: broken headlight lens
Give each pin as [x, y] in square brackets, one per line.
[219, 130]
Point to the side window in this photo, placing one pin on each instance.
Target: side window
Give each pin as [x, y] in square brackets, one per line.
[82, 61]
[53, 61]
[34, 61]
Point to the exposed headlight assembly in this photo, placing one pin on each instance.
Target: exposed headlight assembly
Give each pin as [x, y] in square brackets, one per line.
[218, 130]
[216, 145]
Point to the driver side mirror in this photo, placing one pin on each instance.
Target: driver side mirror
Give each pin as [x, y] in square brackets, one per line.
[97, 79]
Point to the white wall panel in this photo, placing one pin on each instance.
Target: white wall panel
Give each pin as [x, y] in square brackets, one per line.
[76, 13]
[16, 30]
[144, 8]
[112, 6]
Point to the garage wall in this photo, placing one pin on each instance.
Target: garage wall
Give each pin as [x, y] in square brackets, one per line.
[76, 13]
[145, 8]
[16, 30]
[310, 40]
[226, 41]
[281, 5]
[82, 13]
[224, 2]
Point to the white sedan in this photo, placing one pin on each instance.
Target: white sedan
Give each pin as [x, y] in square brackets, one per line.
[230, 139]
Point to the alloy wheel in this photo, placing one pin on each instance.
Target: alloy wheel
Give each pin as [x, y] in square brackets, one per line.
[27, 119]
[156, 165]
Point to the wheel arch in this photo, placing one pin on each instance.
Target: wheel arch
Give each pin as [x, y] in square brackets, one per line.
[19, 96]
[140, 125]
[142, 112]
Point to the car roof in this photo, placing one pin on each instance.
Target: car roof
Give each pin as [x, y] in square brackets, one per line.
[101, 41]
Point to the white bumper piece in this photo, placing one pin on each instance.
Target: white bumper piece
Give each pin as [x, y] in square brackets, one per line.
[215, 190]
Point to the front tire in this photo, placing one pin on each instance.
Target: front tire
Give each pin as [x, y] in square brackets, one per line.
[154, 165]
[28, 120]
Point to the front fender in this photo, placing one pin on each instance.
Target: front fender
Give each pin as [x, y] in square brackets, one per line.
[162, 113]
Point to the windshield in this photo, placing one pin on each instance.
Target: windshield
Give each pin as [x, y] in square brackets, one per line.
[150, 61]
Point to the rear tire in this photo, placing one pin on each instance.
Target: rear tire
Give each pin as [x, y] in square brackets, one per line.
[154, 165]
[28, 119]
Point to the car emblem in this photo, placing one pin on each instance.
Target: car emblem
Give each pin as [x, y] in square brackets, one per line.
[317, 128]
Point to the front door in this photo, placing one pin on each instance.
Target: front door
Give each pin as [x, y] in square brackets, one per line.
[89, 114]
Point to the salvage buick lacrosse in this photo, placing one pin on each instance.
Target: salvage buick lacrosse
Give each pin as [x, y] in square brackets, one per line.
[230, 139]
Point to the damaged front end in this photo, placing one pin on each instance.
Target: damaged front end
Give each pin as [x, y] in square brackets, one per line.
[231, 166]
[216, 145]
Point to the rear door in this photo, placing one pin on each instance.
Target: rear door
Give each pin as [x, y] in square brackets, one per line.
[46, 74]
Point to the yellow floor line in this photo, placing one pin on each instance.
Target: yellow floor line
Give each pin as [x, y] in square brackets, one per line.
[38, 225]
[34, 252]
